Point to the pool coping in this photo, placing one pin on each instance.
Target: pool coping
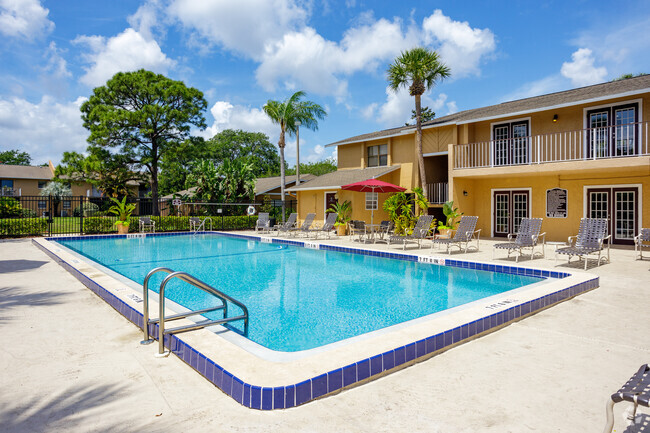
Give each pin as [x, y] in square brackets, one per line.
[265, 385]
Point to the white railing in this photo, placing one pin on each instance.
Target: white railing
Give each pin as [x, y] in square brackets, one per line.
[438, 193]
[617, 141]
[8, 192]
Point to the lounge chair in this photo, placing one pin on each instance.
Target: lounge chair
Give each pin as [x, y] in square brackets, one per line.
[358, 228]
[419, 233]
[195, 223]
[147, 223]
[641, 241]
[465, 234]
[590, 239]
[263, 223]
[306, 225]
[288, 225]
[527, 237]
[636, 390]
[382, 234]
[327, 227]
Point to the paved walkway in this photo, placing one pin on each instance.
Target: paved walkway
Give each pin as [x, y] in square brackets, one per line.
[69, 362]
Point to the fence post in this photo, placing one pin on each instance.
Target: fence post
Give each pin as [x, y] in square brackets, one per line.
[50, 218]
[81, 215]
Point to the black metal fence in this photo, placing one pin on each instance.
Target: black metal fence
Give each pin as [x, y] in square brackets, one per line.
[75, 215]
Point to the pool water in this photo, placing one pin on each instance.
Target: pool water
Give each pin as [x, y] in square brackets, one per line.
[297, 298]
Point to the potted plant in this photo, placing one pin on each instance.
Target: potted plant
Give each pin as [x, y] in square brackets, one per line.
[451, 214]
[123, 210]
[343, 216]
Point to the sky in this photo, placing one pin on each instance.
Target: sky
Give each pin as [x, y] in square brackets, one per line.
[241, 53]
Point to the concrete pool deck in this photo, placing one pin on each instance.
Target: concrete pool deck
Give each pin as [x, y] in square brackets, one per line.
[71, 362]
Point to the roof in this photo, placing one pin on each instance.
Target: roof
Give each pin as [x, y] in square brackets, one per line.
[339, 178]
[25, 172]
[266, 184]
[612, 89]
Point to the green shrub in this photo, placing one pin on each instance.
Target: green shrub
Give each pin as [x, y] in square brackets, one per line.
[93, 225]
[89, 210]
[23, 227]
[27, 213]
[10, 207]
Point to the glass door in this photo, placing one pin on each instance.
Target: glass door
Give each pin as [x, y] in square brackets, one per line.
[509, 208]
[620, 207]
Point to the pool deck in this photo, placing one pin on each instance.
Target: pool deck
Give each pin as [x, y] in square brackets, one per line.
[70, 362]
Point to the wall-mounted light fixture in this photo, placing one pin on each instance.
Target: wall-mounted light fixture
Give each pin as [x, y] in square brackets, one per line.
[554, 118]
[465, 193]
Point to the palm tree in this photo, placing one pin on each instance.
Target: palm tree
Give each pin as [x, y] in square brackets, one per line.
[286, 114]
[418, 69]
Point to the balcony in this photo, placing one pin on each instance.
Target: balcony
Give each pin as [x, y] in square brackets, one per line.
[8, 192]
[619, 141]
[437, 193]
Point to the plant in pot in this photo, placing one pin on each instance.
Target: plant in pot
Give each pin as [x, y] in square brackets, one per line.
[451, 214]
[343, 215]
[123, 210]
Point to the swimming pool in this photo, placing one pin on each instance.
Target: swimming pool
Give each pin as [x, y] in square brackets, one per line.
[265, 379]
[298, 298]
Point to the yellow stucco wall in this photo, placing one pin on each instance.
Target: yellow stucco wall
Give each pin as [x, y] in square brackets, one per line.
[480, 192]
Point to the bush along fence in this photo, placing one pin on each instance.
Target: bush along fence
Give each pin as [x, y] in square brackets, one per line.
[50, 216]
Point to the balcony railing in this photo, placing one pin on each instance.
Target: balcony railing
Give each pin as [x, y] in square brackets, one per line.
[438, 193]
[618, 141]
[8, 192]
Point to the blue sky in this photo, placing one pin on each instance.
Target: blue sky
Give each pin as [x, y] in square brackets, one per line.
[241, 53]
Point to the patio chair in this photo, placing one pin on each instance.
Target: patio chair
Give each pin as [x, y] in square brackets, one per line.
[195, 223]
[263, 223]
[419, 233]
[288, 225]
[590, 239]
[641, 241]
[306, 225]
[527, 237]
[382, 234]
[358, 228]
[147, 223]
[465, 234]
[327, 227]
[636, 390]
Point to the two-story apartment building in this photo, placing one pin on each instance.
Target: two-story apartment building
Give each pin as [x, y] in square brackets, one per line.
[562, 156]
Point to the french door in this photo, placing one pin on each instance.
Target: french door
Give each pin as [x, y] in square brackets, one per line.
[509, 208]
[511, 143]
[620, 205]
[613, 131]
[330, 199]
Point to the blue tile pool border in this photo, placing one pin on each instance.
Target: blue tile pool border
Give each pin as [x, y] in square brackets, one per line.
[267, 398]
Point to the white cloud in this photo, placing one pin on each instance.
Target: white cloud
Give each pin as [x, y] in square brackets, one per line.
[145, 20]
[44, 130]
[396, 110]
[24, 18]
[308, 61]
[581, 70]
[56, 64]
[125, 52]
[228, 116]
[460, 46]
[552, 83]
[244, 26]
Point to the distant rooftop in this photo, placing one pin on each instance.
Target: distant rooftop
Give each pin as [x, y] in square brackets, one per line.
[612, 89]
[25, 172]
[339, 178]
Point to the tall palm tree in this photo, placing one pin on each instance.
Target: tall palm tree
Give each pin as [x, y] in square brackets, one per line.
[286, 114]
[419, 69]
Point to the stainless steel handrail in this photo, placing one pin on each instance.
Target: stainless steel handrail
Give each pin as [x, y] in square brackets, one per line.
[202, 225]
[184, 276]
[145, 305]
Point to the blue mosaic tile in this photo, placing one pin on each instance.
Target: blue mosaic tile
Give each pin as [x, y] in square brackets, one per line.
[226, 382]
[349, 374]
[303, 392]
[319, 386]
[464, 331]
[410, 352]
[256, 397]
[388, 360]
[447, 338]
[400, 356]
[289, 396]
[420, 348]
[438, 342]
[267, 398]
[363, 369]
[278, 397]
[335, 378]
[237, 391]
[201, 364]
[472, 329]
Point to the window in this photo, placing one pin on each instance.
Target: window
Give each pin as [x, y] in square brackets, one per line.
[41, 184]
[66, 204]
[511, 143]
[372, 200]
[6, 183]
[42, 204]
[612, 131]
[377, 155]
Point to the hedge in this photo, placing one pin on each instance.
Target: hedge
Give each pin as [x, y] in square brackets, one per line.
[23, 227]
[93, 225]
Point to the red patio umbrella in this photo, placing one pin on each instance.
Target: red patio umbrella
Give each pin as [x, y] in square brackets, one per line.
[373, 185]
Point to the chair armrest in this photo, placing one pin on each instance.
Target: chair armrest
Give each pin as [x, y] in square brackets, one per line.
[477, 233]
[510, 235]
[543, 236]
[571, 242]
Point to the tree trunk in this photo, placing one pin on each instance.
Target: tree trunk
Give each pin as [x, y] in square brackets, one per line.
[154, 178]
[418, 140]
[281, 146]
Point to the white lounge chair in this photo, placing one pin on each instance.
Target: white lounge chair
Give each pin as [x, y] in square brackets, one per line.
[465, 234]
[419, 233]
[527, 237]
[590, 239]
[641, 241]
[147, 223]
[305, 227]
[327, 227]
[263, 223]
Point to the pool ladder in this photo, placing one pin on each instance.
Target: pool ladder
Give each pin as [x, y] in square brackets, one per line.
[202, 225]
[184, 276]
